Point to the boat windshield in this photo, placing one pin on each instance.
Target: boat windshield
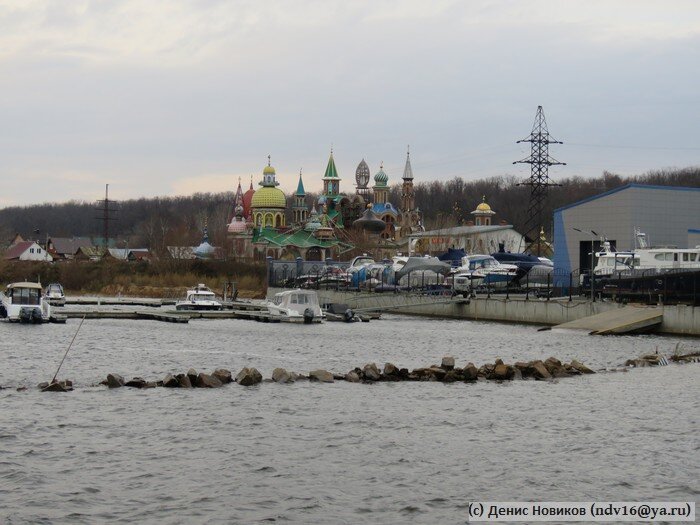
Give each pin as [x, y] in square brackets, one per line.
[482, 263]
[28, 296]
[202, 297]
[55, 288]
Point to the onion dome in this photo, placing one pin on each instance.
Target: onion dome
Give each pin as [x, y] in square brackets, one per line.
[314, 223]
[205, 250]
[238, 225]
[484, 208]
[362, 174]
[381, 178]
[269, 196]
[369, 221]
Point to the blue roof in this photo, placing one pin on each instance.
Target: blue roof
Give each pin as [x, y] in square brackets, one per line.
[300, 187]
[387, 207]
[626, 186]
[693, 230]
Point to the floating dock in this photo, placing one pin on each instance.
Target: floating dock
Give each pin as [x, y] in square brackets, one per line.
[120, 301]
[625, 320]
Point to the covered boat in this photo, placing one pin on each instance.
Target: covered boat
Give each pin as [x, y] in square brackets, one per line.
[296, 306]
[23, 302]
[54, 294]
[199, 298]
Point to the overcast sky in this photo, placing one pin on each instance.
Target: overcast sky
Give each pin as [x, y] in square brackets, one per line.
[167, 97]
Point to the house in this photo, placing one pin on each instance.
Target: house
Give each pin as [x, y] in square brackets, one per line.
[128, 254]
[91, 253]
[27, 251]
[64, 248]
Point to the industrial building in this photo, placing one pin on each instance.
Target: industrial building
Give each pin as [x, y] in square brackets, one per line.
[669, 215]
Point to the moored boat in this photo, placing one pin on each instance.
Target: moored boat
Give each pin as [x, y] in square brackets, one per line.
[23, 302]
[54, 295]
[199, 298]
[296, 306]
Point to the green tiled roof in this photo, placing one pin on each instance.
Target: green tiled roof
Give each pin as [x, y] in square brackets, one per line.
[298, 239]
[331, 171]
[300, 187]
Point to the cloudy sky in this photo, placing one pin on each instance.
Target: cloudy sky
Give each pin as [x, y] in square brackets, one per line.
[166, 97]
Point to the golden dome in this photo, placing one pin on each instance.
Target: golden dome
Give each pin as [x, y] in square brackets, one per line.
[269, 170]
[268, 197]
[483, 207]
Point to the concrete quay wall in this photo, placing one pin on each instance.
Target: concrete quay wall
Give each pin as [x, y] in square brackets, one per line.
[678, 319]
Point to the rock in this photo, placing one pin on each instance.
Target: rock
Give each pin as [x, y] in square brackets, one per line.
[403, 373]
[207, 381]
[170, 381]
[248, 376]
[298, 377]
[324, 376]
[184, 381]
[23, 388]
[448, 363]
[223, 375]
[498, 361]
[539, 371]
[57, 386]
[520, 365]
[501, 372]
[42, 385]
[115, 381]
[192, 374]
[352, 377]
[517, 374]
[150, 384]
[451, 376]
[438, 373]
[470, 372]
[137, 382]
[552, 364]
[390, 369]
[280, 375]
[370, 372]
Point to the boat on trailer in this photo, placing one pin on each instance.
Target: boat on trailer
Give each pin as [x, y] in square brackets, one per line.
[55, 295]
[24, 303]
[199, 298]
[296, 306]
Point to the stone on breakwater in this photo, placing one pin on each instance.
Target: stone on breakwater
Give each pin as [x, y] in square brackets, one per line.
[184, 381]
[115, 380]
[370, 372]
[390, 369]
[192, 374]
[539, 371]
[352, 377]
[207, 381]
[280, 375]
[470, 372]
[170, 381]
[58, 386]
[223, 375]
[321, 375]
[581, 367]
[501, 371]
[448, 363]
[136, 382]
[248, 376]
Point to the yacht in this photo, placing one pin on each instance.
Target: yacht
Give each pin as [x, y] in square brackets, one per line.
[54, 295]
[296, 306]
[199, 298]
[483, 271]
[23, 302]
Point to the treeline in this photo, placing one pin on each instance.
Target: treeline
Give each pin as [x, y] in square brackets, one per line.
[178, 221]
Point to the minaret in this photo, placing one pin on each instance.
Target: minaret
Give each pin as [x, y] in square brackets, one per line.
[408, 198]
[331, 181]
[237, 200]
[381, 189]
[299, 210]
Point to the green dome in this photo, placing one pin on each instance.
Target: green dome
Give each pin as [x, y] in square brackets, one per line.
[268, 197]
[381, 178]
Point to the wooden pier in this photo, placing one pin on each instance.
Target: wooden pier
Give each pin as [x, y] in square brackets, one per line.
[120, 301]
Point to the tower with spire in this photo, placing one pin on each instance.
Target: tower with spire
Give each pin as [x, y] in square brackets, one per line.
[331, 181]
[299, 211]
[381, 186]
[408, 197]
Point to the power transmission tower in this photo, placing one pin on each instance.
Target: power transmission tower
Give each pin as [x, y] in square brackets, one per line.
[539, 180]
[107, 209]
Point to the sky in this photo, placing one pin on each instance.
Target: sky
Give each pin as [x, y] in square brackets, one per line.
[173, 97]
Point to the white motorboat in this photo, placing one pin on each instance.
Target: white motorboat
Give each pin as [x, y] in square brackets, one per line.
[54, 295]
[479, 271]
[24, 303]
[199, 298]
[296, 306]
[644, 258]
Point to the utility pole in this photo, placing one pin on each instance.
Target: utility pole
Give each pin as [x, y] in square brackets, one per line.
[539, 180]
[107, 209]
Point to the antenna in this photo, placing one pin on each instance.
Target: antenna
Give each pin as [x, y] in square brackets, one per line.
[107, 209]
[539, 180]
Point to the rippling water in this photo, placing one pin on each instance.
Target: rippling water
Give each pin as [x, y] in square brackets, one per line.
[332, 453]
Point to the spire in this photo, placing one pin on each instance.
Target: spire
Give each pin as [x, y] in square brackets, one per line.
[251, 181]
[331, 171]
[206, 232]
[239, 194]
[268, 160]
[300, 187]
[408, 171]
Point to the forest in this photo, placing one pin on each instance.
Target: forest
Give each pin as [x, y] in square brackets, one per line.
[156, 223]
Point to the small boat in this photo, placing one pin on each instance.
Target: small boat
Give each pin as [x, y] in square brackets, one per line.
[24, 303]
[533, 271]
[54, 295]
[343, 313]
[199, 298]
[483, 271]
[296, 306]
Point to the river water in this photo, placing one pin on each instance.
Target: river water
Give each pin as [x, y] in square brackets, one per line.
[333, 453]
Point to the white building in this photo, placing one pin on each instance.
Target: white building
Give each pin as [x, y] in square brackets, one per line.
[27, 251]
